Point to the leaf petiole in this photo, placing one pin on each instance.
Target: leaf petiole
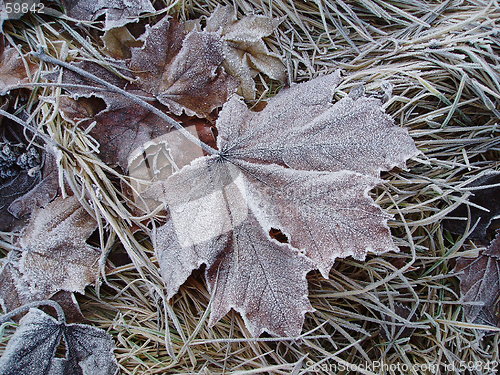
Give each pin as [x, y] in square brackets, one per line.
[49, 59]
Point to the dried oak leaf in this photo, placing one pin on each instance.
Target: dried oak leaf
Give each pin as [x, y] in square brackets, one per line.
[183, 71]
[118, 12]
[302, 165]
[32, 348]
[483, 196]
[245, 52]
[480, 282]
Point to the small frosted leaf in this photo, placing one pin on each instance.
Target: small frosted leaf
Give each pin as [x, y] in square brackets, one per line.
[183, 70]
[31, 350]
[117, 12]
[480, 282]
[245, 52]
[55, 255]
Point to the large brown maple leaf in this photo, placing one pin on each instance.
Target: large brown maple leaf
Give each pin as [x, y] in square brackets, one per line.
[302, 165]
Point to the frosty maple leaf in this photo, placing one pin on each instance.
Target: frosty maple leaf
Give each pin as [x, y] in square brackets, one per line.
[120, 126]
[32, 348]
[245, 52]
[182, 70]
[54, 255]
[117, 12]
[302, 165]
[480, 282]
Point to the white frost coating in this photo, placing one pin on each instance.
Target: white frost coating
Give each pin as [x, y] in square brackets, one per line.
[302, 165]
[209, 211]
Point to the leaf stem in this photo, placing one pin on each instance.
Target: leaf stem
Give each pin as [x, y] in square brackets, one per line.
[49, 59]
[60, 312]
[63, 85]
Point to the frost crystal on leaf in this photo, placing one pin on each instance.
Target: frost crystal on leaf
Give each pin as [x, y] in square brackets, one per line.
[117, 12]
[480, 282]
[182, 70]
[302, 165]
[32, 349]
[245, 52]
[54, 255]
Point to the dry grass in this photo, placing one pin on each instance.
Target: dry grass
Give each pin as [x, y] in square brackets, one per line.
[437, 67]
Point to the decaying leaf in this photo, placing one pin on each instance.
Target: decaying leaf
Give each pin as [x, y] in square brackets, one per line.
[483, 196]
[119, 126]
[54, 255]
[184, 71]
[118, 42]
[480, 282]
[14, 68]
[42, 193]
[245, 52]
[28, 176]
[14, 290]
[87, 88]
[32, 348]
[118, 12]
[302, 165]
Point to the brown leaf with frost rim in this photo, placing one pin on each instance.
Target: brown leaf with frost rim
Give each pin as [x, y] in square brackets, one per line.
[480, 282]
[117, 12]
[183, 71]
[245, 52]
[118, 42]
[53, 256]
[303, 166]
[14, 69]
[32, 348]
